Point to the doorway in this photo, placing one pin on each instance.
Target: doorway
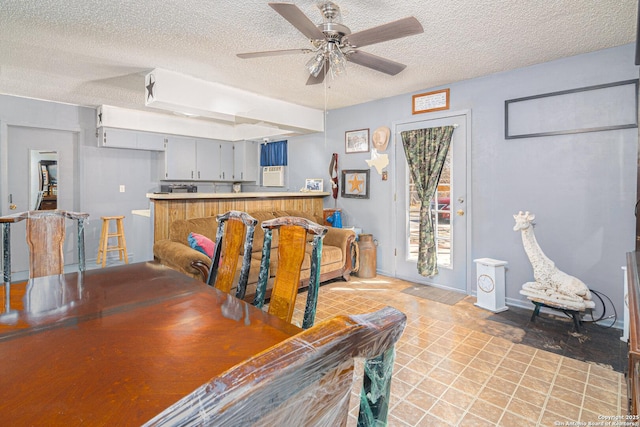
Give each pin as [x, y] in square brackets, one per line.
[21, 143]
[449, 206]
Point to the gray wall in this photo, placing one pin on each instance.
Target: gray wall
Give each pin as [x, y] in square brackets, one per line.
[101, 170]
[581, 187]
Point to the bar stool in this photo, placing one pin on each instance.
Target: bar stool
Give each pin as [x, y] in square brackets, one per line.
[104, 247]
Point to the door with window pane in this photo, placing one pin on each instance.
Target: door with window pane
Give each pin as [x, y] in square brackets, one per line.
[448, 210]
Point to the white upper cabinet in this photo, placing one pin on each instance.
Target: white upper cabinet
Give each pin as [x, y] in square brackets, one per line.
[190, 159]
[245, 161]
[123, 138]
[208, 160]
[180, 159]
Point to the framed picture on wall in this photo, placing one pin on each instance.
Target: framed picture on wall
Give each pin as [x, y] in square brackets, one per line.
[356, 141]
[355, 183]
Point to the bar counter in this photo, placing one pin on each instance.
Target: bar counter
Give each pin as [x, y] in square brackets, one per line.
[261, 195]
[169, 207]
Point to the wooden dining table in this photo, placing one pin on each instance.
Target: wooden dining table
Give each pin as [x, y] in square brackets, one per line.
[116, 346]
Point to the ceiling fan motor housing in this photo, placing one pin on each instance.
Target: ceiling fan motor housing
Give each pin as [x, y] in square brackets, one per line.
[334, 32]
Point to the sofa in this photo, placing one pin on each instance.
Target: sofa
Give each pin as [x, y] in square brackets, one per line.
[338, 250]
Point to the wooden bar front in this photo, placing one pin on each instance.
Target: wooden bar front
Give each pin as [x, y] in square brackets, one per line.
[175, 206]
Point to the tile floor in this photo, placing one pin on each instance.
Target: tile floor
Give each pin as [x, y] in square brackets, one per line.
[455, 366]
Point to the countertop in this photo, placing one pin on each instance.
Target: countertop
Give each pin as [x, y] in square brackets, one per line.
[265, 195]
[142, 212]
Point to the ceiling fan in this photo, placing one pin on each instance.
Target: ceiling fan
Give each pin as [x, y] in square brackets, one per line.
[333, 44]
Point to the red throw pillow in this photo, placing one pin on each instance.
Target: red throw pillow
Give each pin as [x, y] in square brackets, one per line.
[201, 243]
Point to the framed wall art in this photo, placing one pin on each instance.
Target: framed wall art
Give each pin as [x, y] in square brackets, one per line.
[430, 101]
[356, 141]
[590, 109]
[313, 184]
[355, 183]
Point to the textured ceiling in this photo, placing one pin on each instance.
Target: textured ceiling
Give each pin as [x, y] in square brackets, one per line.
[93, 52]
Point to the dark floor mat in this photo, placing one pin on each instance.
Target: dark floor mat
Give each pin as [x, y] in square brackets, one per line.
[556, 333]
[435, 294]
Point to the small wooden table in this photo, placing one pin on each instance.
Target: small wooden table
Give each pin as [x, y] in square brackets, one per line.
[116, 346]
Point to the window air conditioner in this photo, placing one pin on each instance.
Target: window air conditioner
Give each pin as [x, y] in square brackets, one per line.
[273, 176]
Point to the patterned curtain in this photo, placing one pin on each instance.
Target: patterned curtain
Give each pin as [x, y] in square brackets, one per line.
[426, 151]
[273, 154]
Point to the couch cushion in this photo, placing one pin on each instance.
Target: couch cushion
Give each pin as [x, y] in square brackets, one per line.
[179, 230]
[258, 235]
[299, 214]
[330, 255]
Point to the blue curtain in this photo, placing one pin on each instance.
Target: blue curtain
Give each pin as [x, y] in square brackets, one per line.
[273, 154]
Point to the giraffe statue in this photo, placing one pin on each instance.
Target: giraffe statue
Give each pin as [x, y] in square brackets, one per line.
[551, 286]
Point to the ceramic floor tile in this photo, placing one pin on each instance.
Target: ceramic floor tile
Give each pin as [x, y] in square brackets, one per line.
[462, 366]
[496, 397]
[486, 411]
[570, 396]
[470, 420]
[510, 420]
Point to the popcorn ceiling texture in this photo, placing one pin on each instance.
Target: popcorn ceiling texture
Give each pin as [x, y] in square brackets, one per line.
[92, 52]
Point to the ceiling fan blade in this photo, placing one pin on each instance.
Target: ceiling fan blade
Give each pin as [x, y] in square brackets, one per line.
[320, 78]
[393, 30]
[377, 63]
[298, 19]
[272, 53]
[315, 80]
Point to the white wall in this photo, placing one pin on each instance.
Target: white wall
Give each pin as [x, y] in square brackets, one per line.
[581, 187]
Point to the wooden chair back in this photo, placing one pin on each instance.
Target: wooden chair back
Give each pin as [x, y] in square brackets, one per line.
[234, 238]
[305, 380]
[292, 245]
[45, 237]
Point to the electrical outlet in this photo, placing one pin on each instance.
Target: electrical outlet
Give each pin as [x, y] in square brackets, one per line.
[122, 188]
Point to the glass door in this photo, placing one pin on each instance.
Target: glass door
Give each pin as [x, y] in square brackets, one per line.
[448, 206]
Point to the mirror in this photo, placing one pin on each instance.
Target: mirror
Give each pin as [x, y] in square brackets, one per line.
[43, 194]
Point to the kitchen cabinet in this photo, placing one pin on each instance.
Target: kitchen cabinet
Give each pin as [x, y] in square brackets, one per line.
[124, 138]
[180, 159]
[226, 161]
[198, 160]
[245, 161]
[214, 160]
[207, 157]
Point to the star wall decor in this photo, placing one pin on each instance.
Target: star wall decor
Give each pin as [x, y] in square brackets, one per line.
[152, 82]
[355, 183]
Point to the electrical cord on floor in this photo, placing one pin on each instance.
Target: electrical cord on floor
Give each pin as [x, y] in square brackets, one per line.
[614, 316]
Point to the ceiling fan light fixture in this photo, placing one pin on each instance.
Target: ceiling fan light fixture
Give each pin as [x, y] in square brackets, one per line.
[334, 44]
[337, 60]
[315, 64]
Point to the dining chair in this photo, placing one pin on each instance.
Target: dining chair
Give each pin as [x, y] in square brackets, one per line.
[293, 235]
[45, 238]
[234, 238]
[305, 380]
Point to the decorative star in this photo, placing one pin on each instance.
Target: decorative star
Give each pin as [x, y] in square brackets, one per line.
[356, 184]
[150, 87]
